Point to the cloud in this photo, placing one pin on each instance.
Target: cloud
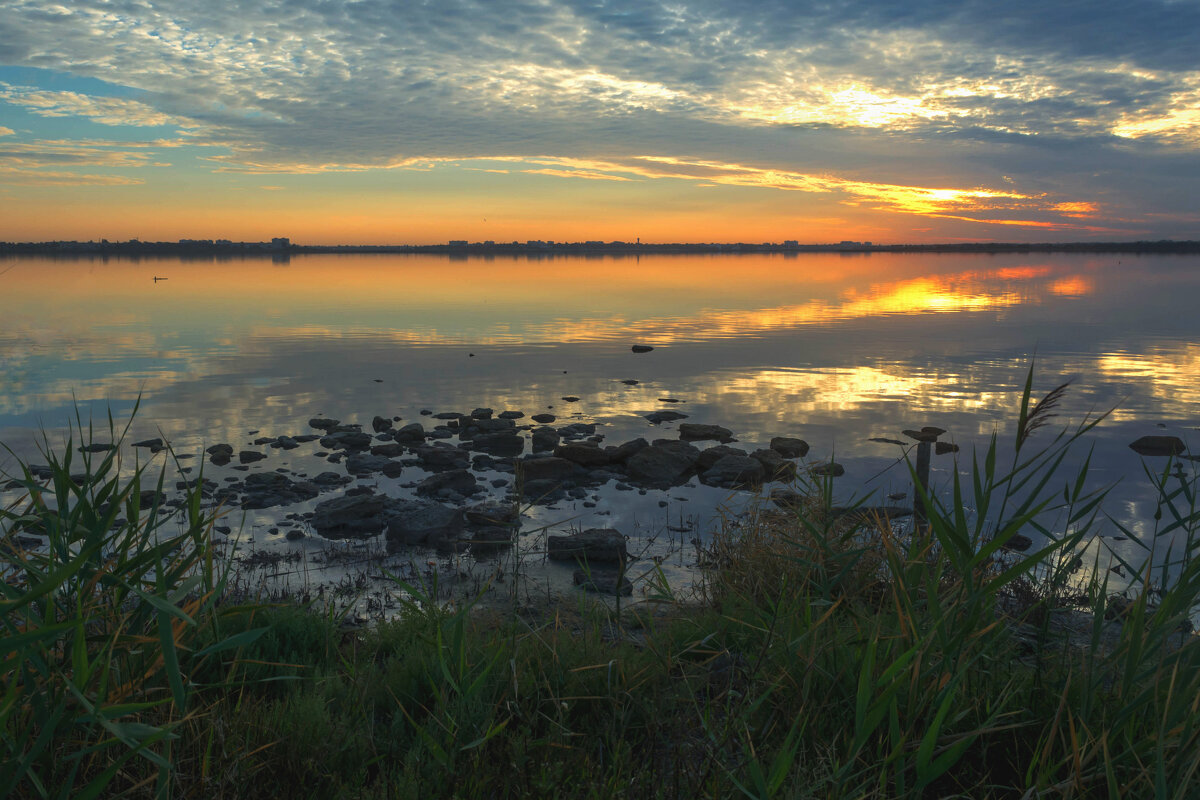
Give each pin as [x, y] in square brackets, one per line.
[1067, 101]
[6, 131]
[16, 176]
[104, 110]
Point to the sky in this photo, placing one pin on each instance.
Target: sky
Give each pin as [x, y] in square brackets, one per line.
[400, 121]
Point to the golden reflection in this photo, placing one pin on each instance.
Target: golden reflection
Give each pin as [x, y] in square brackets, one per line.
[1073, 286]
[1168, 374]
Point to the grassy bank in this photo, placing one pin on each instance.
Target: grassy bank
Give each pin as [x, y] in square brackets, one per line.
[831, 657]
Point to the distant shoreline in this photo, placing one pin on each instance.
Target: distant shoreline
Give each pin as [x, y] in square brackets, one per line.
[282, 248]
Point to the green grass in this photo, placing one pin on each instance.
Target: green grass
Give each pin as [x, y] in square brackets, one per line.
[831, 658]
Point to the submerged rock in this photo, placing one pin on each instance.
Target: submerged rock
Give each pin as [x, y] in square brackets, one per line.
[412, 522]
[641, 348]
[1158, 446]
[665, 416]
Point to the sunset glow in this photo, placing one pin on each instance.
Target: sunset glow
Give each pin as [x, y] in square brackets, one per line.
[707, 121]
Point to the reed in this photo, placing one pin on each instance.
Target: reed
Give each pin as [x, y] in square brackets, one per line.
[834, 654]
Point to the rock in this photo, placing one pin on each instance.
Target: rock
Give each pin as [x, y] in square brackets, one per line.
[577, 430]
[597, 545]
[544, 439]
[285, 443]
[250, 456]
[422, 522]
[1018, 542]
[787, 499]
[506, 444]
[458, 480]
[294, 534]
[665, 416]
[347, 440]
[660, 466]
[412, 432]
[641, 348]
[571, 398]
[775, 466]
[482, 413]
[350, 516]
[714, 454]
[269, 489]
[669, 400]
[622, 453]
[474, 427]
[832, 470]
[218, 460]
[691, 431]
[389, 450]
[380, 424]
[1158, 446]
[789, 447]
[487, 540]
[330, 479]
[548, 468]
[260, 441]
[584, 454]
[603, 581]
[942, 448]
[492, 515]
[157, 444]
[543, 491]
[732, 471]
[511, 414]
[545, 419]
[442, 457]
[96, 448]
[630, 382]
[323, 423]
[215, 450]
[365, 464]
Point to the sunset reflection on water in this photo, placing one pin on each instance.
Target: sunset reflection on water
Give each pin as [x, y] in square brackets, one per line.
[834, 348]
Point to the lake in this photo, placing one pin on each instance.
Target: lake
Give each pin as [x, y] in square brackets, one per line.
[832, 348]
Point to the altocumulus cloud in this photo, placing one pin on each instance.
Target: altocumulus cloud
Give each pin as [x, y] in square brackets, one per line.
[1088, 103]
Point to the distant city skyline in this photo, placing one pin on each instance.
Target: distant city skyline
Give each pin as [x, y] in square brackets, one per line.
[390, 121]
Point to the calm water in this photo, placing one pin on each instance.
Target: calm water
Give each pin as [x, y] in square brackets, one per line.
[835, 349]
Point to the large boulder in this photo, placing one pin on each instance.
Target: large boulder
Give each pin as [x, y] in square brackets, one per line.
[597, 545]
[442, 457]
[350, 516]
[662, 465]
[380, 424]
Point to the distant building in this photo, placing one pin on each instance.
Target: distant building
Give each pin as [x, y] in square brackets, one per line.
[281, 243]
[458, 242]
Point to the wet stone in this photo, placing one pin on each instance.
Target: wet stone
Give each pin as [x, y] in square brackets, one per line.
[596, 545]
[789, 447]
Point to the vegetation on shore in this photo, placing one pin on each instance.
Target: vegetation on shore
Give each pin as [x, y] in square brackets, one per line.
[831, 657]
